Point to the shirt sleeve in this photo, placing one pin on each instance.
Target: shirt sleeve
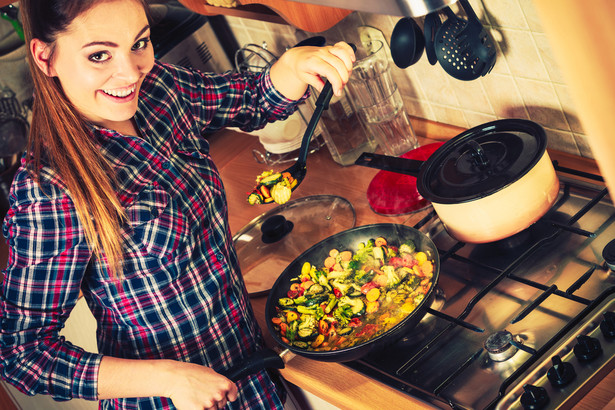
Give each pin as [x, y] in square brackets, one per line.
[48, 255]
[245, 100]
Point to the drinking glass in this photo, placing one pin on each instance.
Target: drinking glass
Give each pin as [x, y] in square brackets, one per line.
[346, 137]
[388, 122]
[371, 80]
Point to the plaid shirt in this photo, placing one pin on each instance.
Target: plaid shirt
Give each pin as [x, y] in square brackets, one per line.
[182, 296]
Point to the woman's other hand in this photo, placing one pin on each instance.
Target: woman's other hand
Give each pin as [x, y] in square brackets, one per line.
[191, 386]
[302, 66]
[199, 387]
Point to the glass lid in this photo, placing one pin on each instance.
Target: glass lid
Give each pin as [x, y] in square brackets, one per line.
[271, 241]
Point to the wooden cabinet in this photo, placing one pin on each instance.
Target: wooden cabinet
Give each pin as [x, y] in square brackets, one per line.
[307, 17]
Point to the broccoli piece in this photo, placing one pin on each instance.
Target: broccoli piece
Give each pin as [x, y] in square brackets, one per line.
[365, 252]
[393, 278]
[354, 265]
[307, 321]
[414, 282]
[291, 331]
[379, 253]
[323, 280]
[357, 307]
[407, 247]
[343, 313]
[341, 286]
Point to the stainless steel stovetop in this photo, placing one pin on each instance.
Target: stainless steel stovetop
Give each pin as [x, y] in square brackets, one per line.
[517, 323]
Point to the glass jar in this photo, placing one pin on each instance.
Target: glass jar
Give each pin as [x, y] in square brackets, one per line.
[345, 135]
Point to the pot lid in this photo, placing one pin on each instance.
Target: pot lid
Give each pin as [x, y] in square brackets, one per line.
[482, 161]
[271, 241]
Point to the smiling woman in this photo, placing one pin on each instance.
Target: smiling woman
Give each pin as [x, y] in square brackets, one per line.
[119, 200]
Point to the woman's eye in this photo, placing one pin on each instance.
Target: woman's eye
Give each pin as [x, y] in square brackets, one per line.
[99, 57]
[141, 44]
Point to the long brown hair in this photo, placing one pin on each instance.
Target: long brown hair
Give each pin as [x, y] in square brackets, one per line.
[60, 134]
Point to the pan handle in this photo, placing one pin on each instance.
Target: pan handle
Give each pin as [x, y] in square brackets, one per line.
[262, 359]
[404, 166]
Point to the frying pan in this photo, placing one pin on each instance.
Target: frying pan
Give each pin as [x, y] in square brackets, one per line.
[345, 240]
[487, 183]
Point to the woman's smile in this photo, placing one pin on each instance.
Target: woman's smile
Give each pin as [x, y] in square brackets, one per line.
[121, 94]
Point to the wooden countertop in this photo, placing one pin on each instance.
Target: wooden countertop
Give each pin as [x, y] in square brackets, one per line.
[334, 382]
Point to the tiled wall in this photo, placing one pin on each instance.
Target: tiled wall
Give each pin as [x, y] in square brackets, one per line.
[525, 82]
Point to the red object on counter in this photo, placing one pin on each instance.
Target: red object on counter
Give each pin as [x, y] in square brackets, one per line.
[391, 193]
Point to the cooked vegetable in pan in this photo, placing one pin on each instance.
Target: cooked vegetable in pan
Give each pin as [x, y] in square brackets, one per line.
[272, 187]
[353, 296]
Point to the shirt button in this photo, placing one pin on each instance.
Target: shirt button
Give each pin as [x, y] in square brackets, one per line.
[195, 155]
[219, 256]
[166, 165]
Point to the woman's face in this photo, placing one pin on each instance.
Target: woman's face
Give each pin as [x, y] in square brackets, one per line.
[101, 61]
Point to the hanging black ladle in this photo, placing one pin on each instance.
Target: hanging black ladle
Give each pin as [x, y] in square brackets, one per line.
[463, 47]
[407, 43]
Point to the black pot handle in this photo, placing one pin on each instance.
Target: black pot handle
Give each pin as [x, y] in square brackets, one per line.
[400, 165]
[262, 359]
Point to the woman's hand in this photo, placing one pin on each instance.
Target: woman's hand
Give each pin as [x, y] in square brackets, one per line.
[199, 387]
[302, 66]
[190, 386]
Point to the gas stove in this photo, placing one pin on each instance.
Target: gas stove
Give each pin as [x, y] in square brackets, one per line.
[523, 323]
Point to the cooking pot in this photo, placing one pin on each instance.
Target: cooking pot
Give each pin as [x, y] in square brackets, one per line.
[345, 240]
[486, 184]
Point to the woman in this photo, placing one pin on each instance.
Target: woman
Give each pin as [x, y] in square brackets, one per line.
[118, 198]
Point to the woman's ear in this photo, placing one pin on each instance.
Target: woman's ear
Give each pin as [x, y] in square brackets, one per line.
[40, 54]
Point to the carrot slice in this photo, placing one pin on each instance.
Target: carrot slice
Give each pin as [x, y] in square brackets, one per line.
[329, 262]
[346, 255]
[372, 294]
[380, 241]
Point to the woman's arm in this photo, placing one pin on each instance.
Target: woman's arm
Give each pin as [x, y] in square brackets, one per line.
[247, 100]
[48, 256]
[189, 385]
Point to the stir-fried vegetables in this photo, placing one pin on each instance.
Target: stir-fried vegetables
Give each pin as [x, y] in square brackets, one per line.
[272, 187]
[352, 297]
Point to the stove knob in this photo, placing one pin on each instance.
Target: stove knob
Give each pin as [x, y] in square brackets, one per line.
[561, 373]
[534, 398]
[587, 348]
[607, 326]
